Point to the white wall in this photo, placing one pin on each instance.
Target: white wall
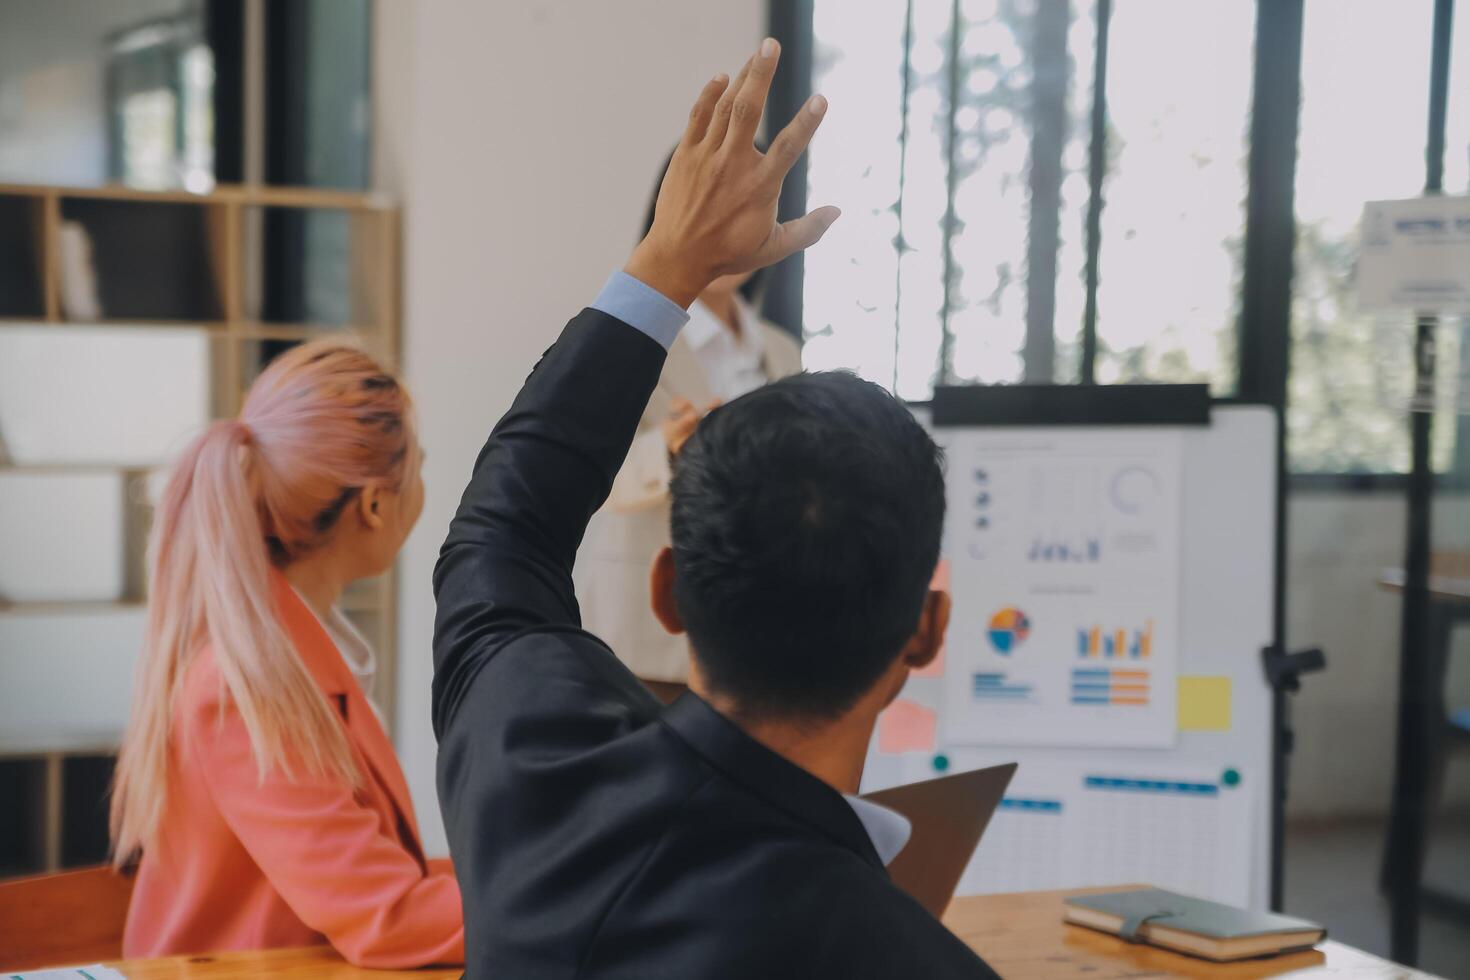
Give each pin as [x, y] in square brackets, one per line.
[53, 123]
[523, 140]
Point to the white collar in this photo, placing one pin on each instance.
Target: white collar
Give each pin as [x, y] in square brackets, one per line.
[361, 660]
[888, 829]
[704, 326]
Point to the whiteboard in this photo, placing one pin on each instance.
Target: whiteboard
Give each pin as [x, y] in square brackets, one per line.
[1194, 815]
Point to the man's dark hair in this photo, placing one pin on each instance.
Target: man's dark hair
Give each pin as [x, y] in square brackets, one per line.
[806, 524]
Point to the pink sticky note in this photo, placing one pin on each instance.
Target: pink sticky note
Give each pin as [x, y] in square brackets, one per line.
[940, 583]
[905, 726]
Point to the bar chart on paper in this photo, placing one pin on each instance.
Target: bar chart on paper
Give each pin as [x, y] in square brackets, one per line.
[1095, 641]
[1075, 542]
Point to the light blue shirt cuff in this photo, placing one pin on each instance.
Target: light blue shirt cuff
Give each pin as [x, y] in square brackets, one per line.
[642, 307]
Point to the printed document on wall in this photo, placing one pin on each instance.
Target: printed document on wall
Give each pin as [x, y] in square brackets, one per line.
[1065, 562]
[1415, 255]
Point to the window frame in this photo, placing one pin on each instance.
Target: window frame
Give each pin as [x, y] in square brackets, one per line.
[1264, 324]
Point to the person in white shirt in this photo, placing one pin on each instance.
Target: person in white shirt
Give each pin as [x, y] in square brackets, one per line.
[725, 351]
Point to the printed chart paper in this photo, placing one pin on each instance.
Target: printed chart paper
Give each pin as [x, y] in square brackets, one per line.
[1064, 549]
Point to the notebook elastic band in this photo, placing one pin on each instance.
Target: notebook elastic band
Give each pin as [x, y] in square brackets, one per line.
[1131, 925]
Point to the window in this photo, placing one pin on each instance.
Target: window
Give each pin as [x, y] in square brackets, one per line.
[1352, 372]
[960, 163]
[960, 135]
[1175, 191]
[160, 78]
[317, 100]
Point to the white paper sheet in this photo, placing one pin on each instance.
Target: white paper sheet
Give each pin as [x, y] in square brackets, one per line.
[1065, 554]
[1415, 255]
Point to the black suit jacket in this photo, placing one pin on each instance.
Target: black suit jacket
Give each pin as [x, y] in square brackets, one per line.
[595, 833]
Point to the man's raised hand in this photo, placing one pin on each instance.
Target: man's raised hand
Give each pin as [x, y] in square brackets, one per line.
[716, 210]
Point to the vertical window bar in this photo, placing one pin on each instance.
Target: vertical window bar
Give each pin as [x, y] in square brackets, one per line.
[946, 337]
[1416, 712]
[1439, 86]
[224, 22]
[1265, 314]
[1270, 219]
[899, 245]
[1048, 135]
[790, 22]
[1097, 161]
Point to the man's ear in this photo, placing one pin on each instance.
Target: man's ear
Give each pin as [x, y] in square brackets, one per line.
[370, 506]
[661, 591]
[928, 639]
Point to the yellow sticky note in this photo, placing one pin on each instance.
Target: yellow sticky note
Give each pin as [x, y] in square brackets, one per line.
[1204, 704]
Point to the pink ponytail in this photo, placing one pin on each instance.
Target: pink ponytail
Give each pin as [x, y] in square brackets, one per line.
[320, 423]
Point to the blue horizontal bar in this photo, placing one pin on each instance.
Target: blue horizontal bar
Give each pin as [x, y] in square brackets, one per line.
[1150, 786]
[1034, 806]
[1088, 700]
[1082, 672]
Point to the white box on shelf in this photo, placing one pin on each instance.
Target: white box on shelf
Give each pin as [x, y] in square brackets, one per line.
[67, 678]
[62, 536]
[130, 396]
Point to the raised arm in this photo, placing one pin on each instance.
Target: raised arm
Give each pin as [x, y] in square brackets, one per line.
[506, 565]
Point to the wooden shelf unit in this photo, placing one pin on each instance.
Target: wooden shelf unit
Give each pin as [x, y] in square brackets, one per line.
[222, 237]
[207, 257]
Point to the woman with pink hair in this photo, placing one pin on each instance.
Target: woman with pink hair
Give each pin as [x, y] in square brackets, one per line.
[256, 787]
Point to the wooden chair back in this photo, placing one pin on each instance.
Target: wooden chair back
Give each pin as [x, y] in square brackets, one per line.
[74, 917]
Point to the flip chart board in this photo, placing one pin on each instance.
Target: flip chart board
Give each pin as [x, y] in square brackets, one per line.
[1109, 620]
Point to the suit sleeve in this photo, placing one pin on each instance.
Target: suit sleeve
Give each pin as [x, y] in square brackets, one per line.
[506, 566]
[327, 855]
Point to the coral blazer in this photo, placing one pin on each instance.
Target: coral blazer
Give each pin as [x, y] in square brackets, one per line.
[240, 862]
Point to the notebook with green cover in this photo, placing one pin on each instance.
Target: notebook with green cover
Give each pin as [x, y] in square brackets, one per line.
[1192, 925]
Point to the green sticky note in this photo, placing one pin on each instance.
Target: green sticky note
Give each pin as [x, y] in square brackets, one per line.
[1204, 704]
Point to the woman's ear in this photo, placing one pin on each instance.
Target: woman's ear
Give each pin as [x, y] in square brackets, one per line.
[928, 639]
[661, 591]
[370, 504]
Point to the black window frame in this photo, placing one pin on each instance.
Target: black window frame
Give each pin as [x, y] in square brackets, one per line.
[1264, 325]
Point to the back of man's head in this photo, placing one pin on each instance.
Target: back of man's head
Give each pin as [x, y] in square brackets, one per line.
[806, 524]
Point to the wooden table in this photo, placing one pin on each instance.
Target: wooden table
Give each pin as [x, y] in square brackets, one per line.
[1022, 936]
[316, 962]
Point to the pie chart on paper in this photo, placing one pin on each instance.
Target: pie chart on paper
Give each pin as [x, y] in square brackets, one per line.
[1008, 629]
